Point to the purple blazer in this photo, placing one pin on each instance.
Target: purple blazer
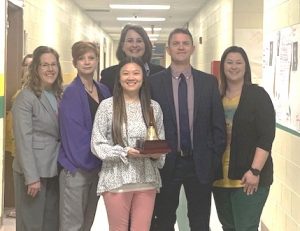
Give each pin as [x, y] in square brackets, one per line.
[76, 126]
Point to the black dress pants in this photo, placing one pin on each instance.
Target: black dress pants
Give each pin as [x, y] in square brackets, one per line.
[198, 199]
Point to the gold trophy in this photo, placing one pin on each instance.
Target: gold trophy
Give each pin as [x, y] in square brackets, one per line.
[152, 144]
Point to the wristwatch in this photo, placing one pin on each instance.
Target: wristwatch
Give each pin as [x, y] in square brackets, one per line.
[255, 171]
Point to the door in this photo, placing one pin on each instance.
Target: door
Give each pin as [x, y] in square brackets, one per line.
[13, 68]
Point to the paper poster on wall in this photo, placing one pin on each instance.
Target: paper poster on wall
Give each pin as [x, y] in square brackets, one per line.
[281, 76]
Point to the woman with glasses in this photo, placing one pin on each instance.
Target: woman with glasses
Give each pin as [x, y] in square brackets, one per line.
[134, 42]
[37, 142]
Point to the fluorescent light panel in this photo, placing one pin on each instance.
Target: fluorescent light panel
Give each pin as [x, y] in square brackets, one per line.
[153, 35]
[141, 19]
[150, 29]
[139, 7]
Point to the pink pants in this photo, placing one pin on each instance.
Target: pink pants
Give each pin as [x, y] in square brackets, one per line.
[138, 204]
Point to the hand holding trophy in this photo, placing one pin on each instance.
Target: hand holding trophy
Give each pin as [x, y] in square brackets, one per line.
[152, 144]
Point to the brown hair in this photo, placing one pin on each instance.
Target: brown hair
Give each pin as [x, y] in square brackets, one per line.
[34, 80]
[247, 76]
[119, 109]
[180, 31]
[81, 47]
[148, 45]
[28, 56]
[24, 69]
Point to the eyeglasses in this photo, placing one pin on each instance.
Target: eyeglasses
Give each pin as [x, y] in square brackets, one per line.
[46, 66]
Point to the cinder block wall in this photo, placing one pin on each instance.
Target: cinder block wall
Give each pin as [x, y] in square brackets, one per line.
[222, 23]
[214, 25]
[282, 211]
[60, 23]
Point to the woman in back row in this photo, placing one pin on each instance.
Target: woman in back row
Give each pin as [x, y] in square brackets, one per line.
[134, 42]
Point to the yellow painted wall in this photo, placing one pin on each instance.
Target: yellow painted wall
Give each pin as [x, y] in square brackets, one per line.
[282, 210]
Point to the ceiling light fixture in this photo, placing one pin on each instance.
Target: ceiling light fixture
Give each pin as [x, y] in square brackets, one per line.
[139, 7]
[153, 35]
[154, 29]
[153, 39]
[141, 19]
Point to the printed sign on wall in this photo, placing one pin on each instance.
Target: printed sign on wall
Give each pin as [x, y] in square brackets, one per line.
[281, 75]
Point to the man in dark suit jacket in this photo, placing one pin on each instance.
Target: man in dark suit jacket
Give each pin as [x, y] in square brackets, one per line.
[194, 166]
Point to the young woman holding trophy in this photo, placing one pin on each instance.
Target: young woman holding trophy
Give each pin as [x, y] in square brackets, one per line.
[129, 179]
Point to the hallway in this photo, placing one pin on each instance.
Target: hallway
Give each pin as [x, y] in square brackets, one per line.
[264, 28]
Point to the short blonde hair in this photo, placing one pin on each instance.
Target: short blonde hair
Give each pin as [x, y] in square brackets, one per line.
[81, 47]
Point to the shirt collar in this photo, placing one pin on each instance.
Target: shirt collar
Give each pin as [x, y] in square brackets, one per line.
[175, 73]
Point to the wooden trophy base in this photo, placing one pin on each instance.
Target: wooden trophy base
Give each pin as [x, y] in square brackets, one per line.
[153, 146]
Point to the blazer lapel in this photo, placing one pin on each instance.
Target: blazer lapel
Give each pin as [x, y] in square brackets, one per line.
[198, 92]
[85, 103]
[46, 104]
[167, 86]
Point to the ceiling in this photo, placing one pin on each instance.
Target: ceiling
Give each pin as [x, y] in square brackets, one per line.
[180, 12]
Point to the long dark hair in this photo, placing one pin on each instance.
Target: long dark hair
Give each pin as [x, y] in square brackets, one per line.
[148, 45]
[247, 76]
[34, 80]
[119, 108]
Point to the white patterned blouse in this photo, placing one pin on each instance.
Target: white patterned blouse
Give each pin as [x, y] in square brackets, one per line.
[119, 173]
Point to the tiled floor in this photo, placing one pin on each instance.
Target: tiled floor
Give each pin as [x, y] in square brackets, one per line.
[9, 224]
[100, 222]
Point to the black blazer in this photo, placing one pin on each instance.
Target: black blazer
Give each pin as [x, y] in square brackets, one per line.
[209, 132]
[253, 126]
[109, 75]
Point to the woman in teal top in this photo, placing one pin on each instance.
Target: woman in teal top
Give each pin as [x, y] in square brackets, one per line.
[247, 163]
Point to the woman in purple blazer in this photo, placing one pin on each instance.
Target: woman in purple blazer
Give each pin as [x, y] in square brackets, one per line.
[79, 177]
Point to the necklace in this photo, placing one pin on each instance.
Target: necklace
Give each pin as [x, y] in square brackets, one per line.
[89, 91]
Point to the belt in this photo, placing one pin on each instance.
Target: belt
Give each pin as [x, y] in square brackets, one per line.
[185, 154]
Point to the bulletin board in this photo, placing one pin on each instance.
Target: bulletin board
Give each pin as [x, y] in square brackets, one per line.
[281, 76]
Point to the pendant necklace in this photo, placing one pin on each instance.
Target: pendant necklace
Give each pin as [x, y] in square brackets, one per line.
[89, 91]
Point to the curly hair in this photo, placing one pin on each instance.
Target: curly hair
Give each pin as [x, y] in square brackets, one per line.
[35, 81]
